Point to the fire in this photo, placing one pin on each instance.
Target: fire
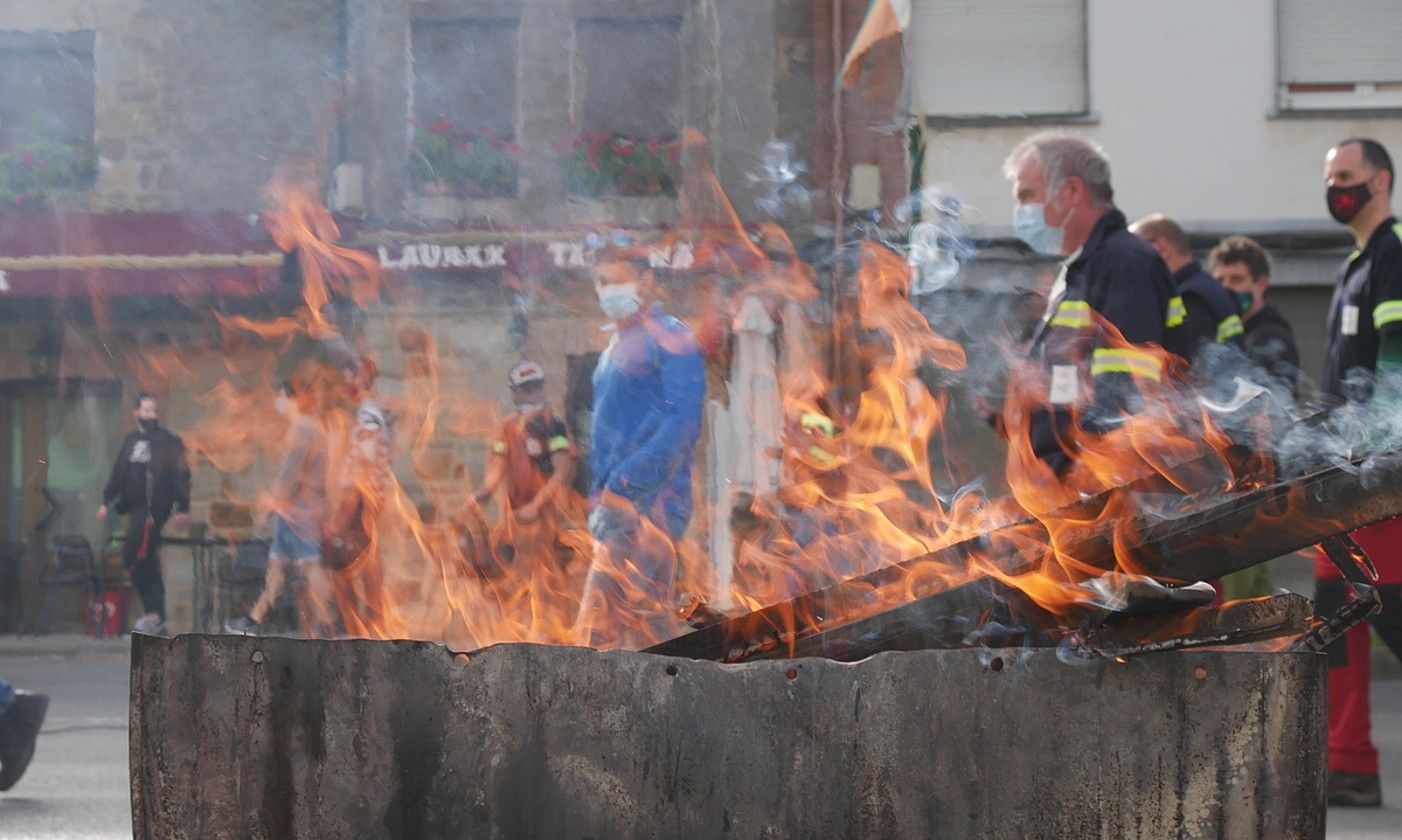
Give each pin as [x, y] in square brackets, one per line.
[850, 489]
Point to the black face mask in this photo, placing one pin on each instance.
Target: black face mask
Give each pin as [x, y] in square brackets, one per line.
[1345, 203]
[148, 425]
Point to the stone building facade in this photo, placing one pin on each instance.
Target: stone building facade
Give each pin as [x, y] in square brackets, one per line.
[195, 108]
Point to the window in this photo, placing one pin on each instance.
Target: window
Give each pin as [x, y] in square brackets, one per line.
[1340, 54]
[465, 74]
[1010, 59]
[465, 107]
[46, 86]
[630, 76]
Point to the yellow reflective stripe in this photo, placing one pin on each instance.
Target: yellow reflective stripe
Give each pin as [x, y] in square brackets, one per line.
[1072, 313]
[1230, 328]
[1177, 312]
[814, 420]
[1133, 362]
[1387, 312]
[821, 454]
[558, 443]
[499, 447]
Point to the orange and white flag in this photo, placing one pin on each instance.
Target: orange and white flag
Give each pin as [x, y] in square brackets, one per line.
[885, 19]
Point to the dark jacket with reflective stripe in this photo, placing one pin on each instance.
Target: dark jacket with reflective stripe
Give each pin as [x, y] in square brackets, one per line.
[1367, 302]
[1120, 278]
[1208, 313]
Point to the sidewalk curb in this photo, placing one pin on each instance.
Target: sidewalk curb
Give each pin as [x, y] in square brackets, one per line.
[64, 645]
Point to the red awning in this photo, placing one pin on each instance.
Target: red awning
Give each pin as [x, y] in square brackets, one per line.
[106, 254]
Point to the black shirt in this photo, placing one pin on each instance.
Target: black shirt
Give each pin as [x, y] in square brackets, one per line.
[1117, 282]
[1270, 344]
[150, 473]
[1367, 302]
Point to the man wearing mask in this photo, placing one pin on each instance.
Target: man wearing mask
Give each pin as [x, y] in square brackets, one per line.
[1363, 361]
[1110, 280]
[534, 456]
[1243, 268]
[150, 479]
[649, 388]
[1201, 311]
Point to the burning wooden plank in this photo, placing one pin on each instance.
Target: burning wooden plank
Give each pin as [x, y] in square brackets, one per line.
[855, 618]
[1239, 622]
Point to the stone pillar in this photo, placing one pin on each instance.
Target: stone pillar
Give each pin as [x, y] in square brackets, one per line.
[745, 102]
[544, 57]
[379, 101]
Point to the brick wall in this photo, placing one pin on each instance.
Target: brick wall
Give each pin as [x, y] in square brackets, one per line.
[870, 133]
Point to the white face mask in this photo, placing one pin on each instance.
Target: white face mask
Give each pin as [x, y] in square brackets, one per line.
[619, 300]
[529, 408]
[283, 405]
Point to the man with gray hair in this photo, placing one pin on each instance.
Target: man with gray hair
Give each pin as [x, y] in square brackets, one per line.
[1111, 294]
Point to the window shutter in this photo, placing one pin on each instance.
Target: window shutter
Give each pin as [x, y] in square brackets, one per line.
[998, 57]
[1341, 41]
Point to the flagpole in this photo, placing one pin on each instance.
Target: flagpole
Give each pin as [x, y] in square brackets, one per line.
[841, 312]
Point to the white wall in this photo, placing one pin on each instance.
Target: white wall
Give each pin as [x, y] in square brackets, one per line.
[1184, 93]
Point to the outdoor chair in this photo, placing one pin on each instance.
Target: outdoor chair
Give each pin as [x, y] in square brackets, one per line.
[69, 566]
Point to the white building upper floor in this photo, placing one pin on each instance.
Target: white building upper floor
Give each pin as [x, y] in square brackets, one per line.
[1216, 113]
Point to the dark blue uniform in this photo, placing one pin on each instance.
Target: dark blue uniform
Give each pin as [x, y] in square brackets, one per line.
[1201, 311]
[1367, 303]
[1116, 282]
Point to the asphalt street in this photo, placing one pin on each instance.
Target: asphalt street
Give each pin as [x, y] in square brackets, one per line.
[77, 786]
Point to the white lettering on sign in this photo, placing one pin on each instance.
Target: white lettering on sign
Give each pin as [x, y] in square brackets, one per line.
[430, 256]
[568, 254]
[679, 256]
[4, 282]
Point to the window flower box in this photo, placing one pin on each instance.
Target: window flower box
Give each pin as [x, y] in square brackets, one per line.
[619, 165]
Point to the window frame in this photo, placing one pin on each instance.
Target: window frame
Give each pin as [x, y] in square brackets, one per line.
[1343, 99]
[81, 43]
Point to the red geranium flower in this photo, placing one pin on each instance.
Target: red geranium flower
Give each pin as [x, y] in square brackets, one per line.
[441, 127]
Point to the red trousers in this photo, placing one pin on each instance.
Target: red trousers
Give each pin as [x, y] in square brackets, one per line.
[1351, 747]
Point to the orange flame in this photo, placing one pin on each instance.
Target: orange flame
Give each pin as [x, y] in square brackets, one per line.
[850, 498]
